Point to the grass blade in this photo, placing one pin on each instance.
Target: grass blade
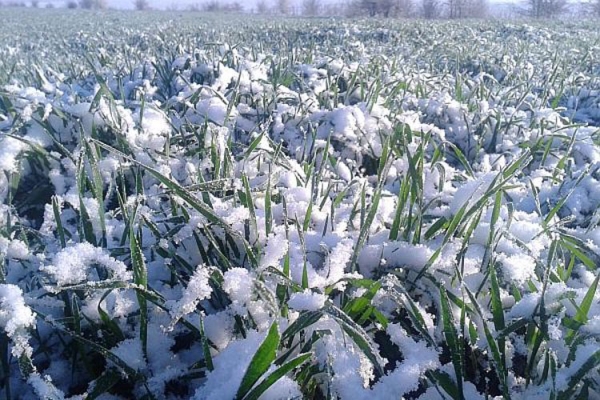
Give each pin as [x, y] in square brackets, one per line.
[275, 376]
[260, 363]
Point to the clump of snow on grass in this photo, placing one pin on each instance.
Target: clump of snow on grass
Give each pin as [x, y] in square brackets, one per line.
[276, 249]
[402, 254]
[74, 264]
[518, 268]
[418, 358]
[238, 285]
[335, 265]
[219, 328]
[471, 192]
[525, 307]
[18, 249]
[16, 318]
[44, 388]
[307, 300]
[197, 289]
[154, 128]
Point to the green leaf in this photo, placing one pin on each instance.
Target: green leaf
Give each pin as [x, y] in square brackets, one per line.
[97, 188]
[498, 360]
[358, 336]
[275, 376]
[307, 216]
[140, 278]
[586, 304]
[452, 340]
[262, 360]
[102, 385]
[250, 205]
[205, 347]
[59, 226]
[435, 227]
[498, 314]
[268, 211]
[445, 381]
[591, 363]
[305, 320]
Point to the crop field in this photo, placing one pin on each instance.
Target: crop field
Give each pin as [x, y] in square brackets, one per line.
[201, 206]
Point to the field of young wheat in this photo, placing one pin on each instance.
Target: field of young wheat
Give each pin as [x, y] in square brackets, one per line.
[221, 207]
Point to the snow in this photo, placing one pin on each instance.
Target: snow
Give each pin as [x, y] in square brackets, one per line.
[197, 289]
[230, 366]
[219, 328]
[130, 352]
[238, 285]
[418, 358]
[307, 300]
[276, 249]
[72, 265]
[44, 388]
[471, 192]
[18, 249]
[525, 307]
[518, 268]
[15, 319]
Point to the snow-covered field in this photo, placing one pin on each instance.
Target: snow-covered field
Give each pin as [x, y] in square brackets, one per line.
[233, 207]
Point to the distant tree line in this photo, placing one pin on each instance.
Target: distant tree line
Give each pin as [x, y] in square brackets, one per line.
[429, 9]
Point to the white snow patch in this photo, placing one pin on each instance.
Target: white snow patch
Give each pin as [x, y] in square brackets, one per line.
[307, 300]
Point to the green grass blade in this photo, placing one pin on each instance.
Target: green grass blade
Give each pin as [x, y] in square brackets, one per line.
[592, 363]
[260, 363]
[140, 278]
[452, 339]
[255, 393]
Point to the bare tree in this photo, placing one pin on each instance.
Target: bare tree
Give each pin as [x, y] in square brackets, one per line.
[546, 8]
[430, 9]
[467, 8]
[211, 6]
[284, 7]
[141, 5]
[234, 7]
[71, 4]
[262, 7]
[383, 8]
[478, 9]
[404, 8]
[596, 8]
[386, 8]
[311, 8]
[215, 6]
[93, 4]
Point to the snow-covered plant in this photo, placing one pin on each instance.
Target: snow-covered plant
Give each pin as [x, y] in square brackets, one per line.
[384, 209]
